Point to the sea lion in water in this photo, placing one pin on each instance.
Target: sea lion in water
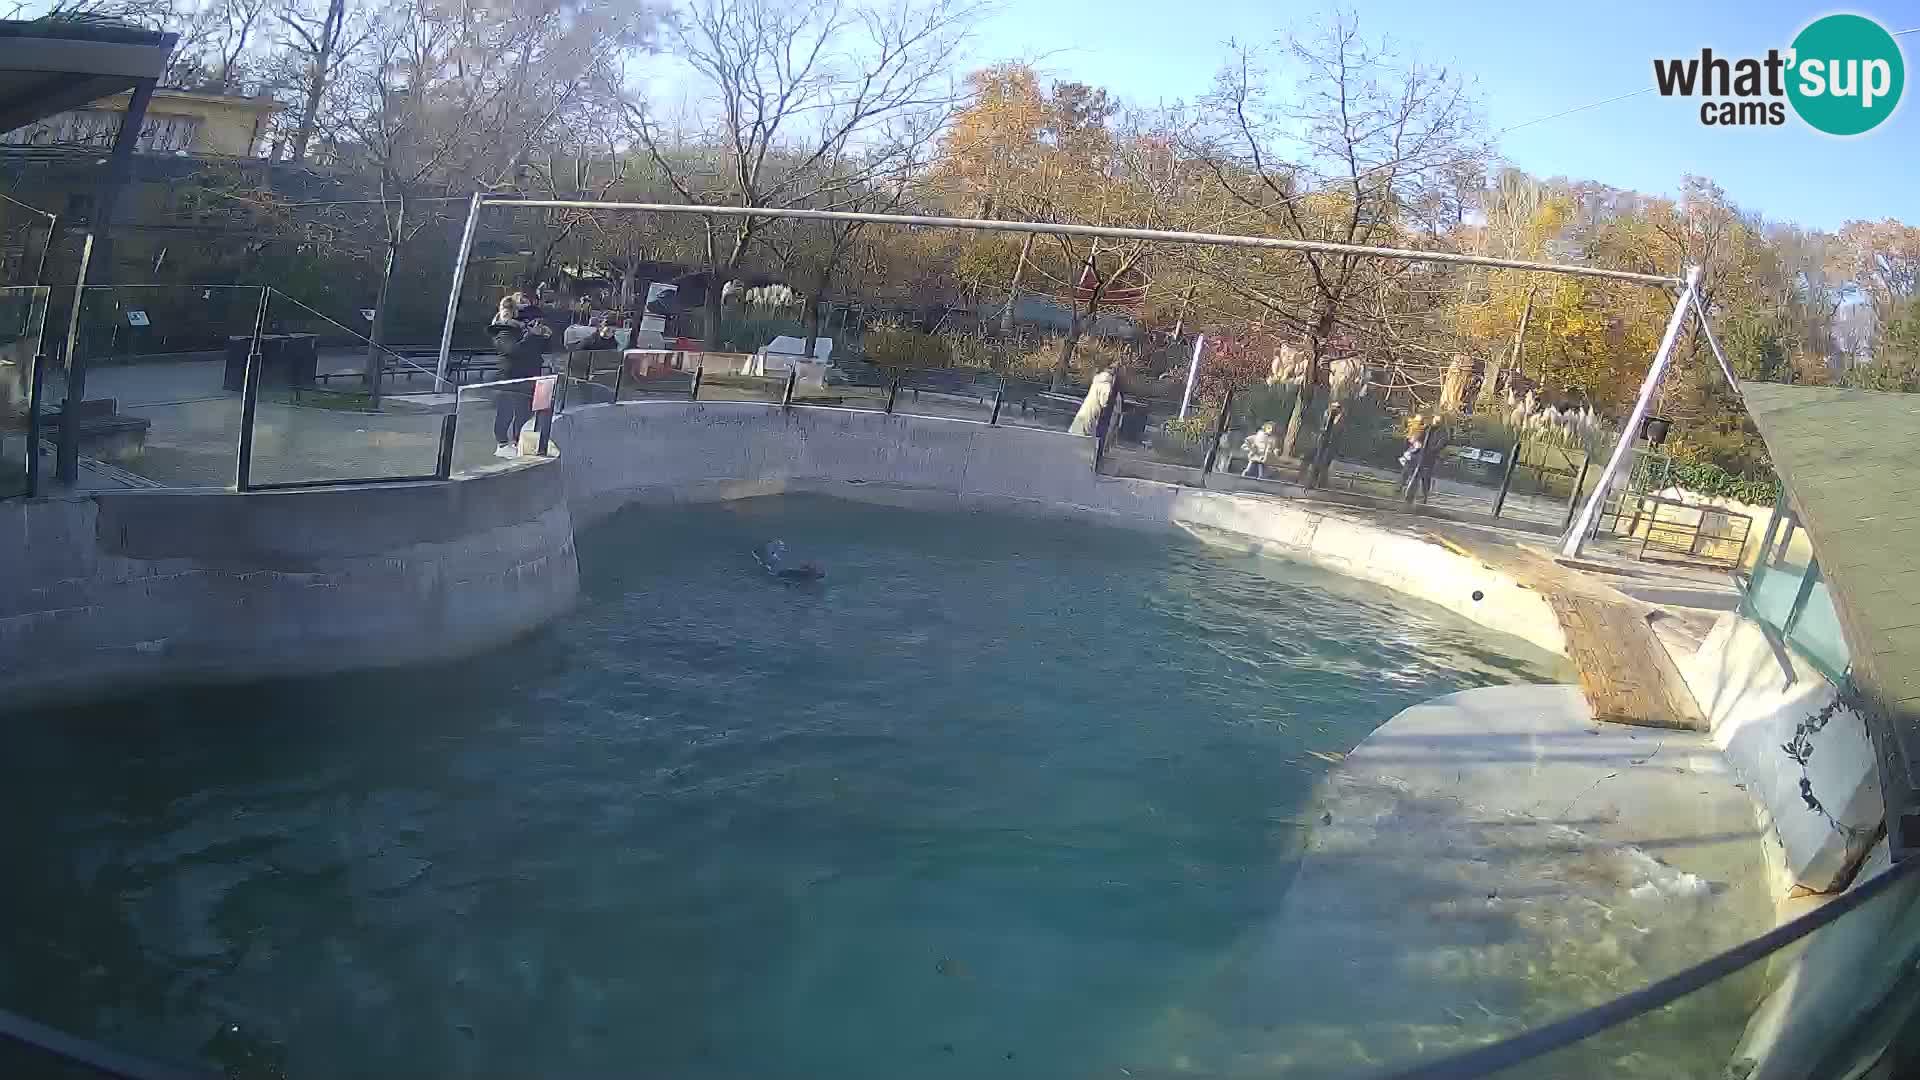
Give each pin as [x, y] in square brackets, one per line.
[772, 557]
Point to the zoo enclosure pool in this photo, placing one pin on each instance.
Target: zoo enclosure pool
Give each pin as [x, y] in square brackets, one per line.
[1880, 906]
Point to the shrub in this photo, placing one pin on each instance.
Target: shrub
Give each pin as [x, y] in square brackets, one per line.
[1195, 428]
[748, 333]
[1090, 354]
[969, 350]
[892, 345]
[1706, 478]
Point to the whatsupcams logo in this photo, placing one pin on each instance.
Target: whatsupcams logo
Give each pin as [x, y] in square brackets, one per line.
[1843, 75]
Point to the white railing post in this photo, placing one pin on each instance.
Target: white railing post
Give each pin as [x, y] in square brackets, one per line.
[453, 298]
[1193, 370]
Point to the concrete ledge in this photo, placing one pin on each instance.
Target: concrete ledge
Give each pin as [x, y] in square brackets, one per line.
[1739, 680]
[1819, 1018]
[675, 451]
[1483, 863]
[118, 591]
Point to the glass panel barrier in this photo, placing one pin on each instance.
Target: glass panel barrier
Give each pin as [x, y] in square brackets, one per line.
[165, 368]
[501, 422]
[735, 376]
[23, 316]
[308, 429]
[1033, 403]
[1816, 630]
[1149, 442]
[847, 384]
[953, 393]
[641, 375]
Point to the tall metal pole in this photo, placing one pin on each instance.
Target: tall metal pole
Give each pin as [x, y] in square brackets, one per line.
[1726, 366]
[453, 298]
[1193, 370]
[96, 260]
[53, 231]
[1589, 514]
[250, 400]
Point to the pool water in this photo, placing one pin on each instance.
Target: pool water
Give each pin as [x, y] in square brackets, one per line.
[974, 806]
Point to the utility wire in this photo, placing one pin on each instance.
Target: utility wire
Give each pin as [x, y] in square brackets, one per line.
[29, 206]
[1575, 109]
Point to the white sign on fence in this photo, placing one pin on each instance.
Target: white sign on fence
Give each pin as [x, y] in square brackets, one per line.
[1489, 457]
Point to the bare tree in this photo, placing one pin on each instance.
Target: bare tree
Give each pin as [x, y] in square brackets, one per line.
[318, 42]
[450, 99]
[1364, 134]
[795, 89]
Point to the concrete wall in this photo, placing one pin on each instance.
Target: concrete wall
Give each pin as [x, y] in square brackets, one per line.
[1752, 708]
[1842, 993]
[105, 594]
[673, 451]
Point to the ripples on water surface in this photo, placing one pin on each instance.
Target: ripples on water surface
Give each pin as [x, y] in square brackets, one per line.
[975, 807]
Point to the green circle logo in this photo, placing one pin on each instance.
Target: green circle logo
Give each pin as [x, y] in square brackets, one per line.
[1847, 74]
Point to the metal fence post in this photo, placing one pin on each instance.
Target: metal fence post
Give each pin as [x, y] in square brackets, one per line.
[619, 376]
[693, 392]
[1506, 479]
[994, 421]
[1573, 499]
[37, 383]
[443, 467]
[893, 394]
[250, 401]
[1219, 430]
[786, 399]
[453, 297]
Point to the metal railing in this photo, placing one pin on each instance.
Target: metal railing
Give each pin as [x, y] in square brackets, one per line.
[1555, 1037]
[1708, 535]
[1865, 1039]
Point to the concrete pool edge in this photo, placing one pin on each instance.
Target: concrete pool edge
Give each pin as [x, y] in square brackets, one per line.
[670, 452]
[116, 592]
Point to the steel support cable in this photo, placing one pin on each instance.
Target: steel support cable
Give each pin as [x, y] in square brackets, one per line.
[1559, 1034]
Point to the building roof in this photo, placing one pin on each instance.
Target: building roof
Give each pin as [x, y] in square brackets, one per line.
[1850, 460]
[48, 66]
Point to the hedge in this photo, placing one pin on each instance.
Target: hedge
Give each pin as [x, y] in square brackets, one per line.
[1706, 478]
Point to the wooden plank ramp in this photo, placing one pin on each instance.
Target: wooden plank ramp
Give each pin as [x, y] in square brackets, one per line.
[1625, 671]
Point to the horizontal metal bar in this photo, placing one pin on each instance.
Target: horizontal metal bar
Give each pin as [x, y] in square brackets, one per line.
[506, 382]
[297, 485]
[1110, 231]
[101, 1059]
[1494, 1057]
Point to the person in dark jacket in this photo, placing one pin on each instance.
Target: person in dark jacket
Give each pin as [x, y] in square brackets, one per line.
[1313, 471]
[520, 338]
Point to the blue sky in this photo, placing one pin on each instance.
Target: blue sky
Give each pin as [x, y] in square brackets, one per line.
[1530, 60]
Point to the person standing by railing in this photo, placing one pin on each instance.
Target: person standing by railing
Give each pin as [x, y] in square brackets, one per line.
[1261, 448]
[1438, 436]
[520, 339]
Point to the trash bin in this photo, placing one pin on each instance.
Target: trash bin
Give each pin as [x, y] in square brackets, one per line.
[285, 360]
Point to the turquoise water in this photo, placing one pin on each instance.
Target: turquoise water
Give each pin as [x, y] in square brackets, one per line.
[976, 806]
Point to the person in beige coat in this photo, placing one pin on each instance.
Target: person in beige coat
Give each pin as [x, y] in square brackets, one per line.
[1098, 395]
[1262, 448]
